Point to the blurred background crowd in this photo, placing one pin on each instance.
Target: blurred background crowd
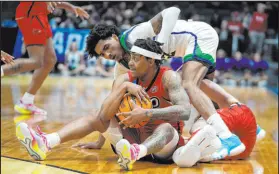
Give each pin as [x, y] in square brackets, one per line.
[248, 33]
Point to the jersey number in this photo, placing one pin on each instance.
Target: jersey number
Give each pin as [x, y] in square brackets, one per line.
[155, 102]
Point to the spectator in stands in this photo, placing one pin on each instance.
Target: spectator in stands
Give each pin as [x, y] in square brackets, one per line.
[257, 29]
[74, 61]
[105, 67]
[235, 26]
[216, 21]
[258, 68]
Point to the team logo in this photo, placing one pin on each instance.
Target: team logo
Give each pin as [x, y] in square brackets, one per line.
[154, 89]
[36, 31]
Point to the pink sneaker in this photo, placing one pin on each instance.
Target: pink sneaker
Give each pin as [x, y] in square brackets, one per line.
[34, 142]
[22, 108]
[127, 153]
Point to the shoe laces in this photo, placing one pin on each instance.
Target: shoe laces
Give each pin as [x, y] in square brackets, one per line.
[30, 106]
[135, 151]
[42, 135]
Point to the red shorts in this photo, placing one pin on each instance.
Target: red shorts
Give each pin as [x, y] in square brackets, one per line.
[241, 121]
[35, 29]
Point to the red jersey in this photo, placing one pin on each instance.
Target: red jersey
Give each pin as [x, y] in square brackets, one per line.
[29, 9]
[158, 96]
[235, 27]
[258, 22]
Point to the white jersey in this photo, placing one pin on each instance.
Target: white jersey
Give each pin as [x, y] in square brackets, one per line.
[188, 36]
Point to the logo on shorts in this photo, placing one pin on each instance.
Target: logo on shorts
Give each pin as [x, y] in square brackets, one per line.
[154, 89]
[36, 31]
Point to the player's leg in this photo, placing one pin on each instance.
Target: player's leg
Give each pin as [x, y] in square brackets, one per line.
[38, 143]
[35, 45]
[199, 61]
[26, 104]
[37, 37]
[36, 53]
[162, 142]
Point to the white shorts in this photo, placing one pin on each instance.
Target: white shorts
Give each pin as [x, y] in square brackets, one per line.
[202, 45]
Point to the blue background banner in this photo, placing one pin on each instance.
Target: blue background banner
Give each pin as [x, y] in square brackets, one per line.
[62, 38]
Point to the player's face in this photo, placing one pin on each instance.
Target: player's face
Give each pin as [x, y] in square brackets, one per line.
[110, 48]
[138, 65]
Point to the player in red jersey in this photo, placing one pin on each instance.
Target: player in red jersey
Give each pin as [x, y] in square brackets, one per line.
[32, 20]
[159, 137]
[239, 119]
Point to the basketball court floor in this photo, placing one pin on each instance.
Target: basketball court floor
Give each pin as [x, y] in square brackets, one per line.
[66, 99]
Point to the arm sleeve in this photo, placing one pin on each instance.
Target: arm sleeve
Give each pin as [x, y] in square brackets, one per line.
[170, 16]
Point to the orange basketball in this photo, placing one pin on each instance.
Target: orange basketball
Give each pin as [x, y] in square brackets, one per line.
[125, 106]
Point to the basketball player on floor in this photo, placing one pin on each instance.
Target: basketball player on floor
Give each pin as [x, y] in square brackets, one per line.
[33, 22]
[171, 99]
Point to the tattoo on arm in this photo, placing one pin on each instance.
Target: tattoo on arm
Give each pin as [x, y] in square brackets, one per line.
[156, 22]
[181, 106]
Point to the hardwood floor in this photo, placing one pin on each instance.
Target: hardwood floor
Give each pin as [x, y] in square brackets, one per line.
[66, 99]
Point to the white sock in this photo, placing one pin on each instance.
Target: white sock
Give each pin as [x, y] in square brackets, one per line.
[28, 98]
[2, 72]
[53, 139]
[218, 124]
[143, 151]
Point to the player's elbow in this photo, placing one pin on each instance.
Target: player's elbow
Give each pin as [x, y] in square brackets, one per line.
[173, 10]
[186, 111]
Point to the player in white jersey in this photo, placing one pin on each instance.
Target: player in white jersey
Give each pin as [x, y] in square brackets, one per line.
[195, 41]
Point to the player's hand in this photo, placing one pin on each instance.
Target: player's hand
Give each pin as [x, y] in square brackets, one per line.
[137, 91]
[52, 5]
[6, 58]
[80, 12]
[91, 145]
[136, 116]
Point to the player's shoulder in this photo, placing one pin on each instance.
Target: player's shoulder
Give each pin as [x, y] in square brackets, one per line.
[170, 77]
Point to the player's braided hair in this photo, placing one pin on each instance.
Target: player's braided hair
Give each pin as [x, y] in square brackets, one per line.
[99, 32]
[152, 46]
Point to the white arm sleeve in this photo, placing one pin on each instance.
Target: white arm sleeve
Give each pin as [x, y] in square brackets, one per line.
[170, 16]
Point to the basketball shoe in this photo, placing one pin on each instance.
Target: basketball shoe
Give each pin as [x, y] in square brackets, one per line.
[23, 108]
[127, 153]
[260, 133]
[34, 142]
[197, 146]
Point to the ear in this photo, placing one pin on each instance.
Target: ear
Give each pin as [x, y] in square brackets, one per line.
[151, 61]
[115, 37]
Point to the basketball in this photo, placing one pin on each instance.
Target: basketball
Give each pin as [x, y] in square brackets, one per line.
[125, 106]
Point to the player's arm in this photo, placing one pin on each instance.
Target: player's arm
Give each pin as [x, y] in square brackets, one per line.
[217, 93]
[111, 104]
[120, 87]
[164, 22]
[180, 110]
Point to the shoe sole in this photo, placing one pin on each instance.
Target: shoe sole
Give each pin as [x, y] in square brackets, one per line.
[19, 110]
[122, 149]
[24, 136]
[260, 135]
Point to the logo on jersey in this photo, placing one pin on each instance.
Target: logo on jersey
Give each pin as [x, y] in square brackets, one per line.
[154, 89]
[36, 31]
[155, 102]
